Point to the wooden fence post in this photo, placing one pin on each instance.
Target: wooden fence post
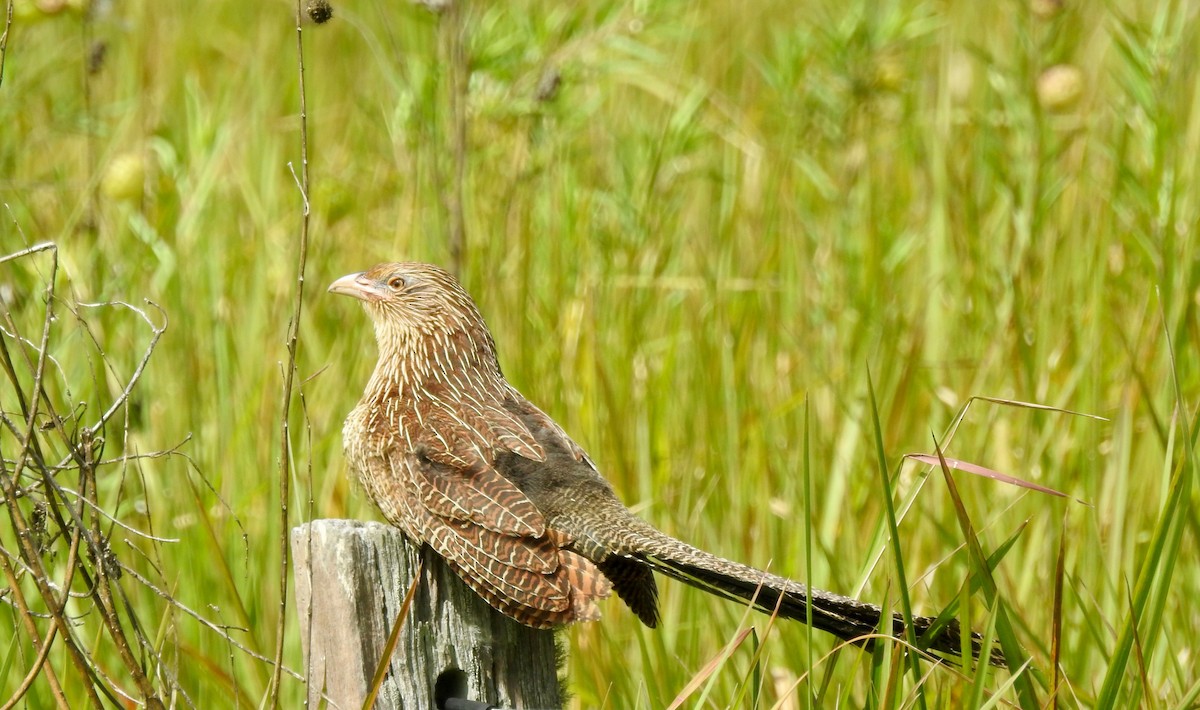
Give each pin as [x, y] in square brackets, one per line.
[351, 578]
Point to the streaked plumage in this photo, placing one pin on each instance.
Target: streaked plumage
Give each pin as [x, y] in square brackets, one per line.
[460, 461]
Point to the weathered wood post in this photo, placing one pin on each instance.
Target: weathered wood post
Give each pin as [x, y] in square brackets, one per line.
[351, 578]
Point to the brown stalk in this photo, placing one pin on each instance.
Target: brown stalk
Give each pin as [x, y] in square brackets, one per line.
[33, 562]
[43, 652]
[102, 591]
[221, 630]
[31, 629]
[285, 454]
[28, 447]
[4, 39]
[83, 457]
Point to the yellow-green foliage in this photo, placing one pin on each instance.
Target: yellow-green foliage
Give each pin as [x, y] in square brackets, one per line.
[724, 209]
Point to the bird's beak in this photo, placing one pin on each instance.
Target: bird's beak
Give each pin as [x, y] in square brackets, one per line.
[358, 286]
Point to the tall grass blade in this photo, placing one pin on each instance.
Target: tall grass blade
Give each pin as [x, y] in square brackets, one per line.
[885, 485]
[385, 656]
[810, 696]
[1153, 587]
[1013, 652]
[1060, 564]
[709, 670]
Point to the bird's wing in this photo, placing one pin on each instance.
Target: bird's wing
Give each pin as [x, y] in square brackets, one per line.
[473, 519]
[456, 449]
[479, 521]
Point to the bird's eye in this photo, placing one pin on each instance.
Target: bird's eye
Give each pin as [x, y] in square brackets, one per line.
[396, 283]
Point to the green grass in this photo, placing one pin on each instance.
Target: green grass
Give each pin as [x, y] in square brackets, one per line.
[727, 210]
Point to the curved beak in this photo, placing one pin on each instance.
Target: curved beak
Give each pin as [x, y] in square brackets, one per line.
[359, 286]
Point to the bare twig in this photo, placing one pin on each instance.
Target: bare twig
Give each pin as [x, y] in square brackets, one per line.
[31, 629]
[156, 331]
[221, 630]
[29, 251]
[4, 39]
[65, 514]
[96, 508]
[106, 568]
[84, 453]
[76, 515]
[285, 454]
[29, 448]
[31, 558]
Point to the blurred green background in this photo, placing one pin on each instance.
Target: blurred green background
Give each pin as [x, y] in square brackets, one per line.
[683, 221]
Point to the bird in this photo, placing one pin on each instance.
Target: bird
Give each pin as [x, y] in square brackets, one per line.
[460, 461]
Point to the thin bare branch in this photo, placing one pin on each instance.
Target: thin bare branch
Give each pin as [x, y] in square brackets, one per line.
[221, 630]
[35, 249]
[4, 39]
[111, 518]
[285, 454]
[156, 333]
[70, 510]
[31, 629]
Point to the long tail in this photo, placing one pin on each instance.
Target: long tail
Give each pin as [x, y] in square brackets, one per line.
[846, 618]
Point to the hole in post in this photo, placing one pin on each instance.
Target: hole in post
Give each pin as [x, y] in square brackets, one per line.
[450, 683]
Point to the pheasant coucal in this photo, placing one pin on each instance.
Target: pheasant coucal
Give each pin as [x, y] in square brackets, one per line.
[459, 460]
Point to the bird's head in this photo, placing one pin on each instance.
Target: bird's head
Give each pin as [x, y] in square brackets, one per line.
[412, 302]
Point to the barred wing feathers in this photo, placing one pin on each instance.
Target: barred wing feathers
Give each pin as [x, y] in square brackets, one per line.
[483, 525]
